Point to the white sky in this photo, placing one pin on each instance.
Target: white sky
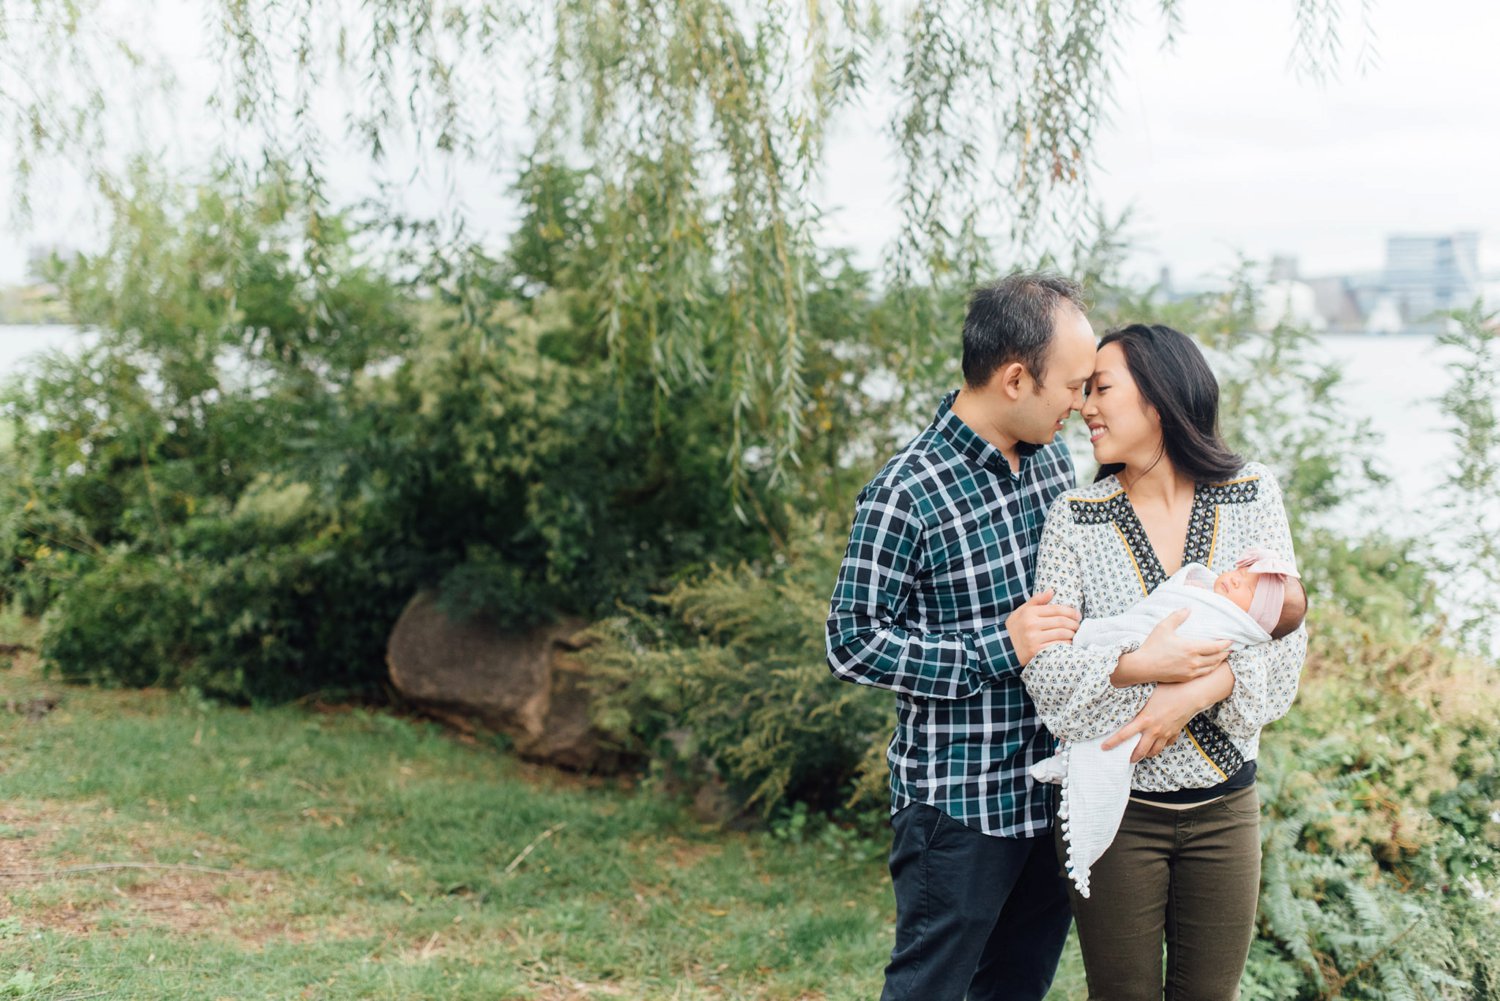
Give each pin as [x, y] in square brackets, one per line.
[1216, 144]
[1221, 149]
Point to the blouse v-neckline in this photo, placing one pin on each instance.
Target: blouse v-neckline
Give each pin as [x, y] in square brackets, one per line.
[1197, 543]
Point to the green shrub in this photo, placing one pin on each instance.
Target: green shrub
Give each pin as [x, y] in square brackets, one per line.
[734, 674]
[268, 602]
[1381, 851]
[530, 485]
[275, 623]
[127, 621]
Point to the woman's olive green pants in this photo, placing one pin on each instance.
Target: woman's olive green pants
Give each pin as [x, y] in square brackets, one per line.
[1187, 877]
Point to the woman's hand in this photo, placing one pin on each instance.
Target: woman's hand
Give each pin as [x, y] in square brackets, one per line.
[1168, 657]
[1168, 711]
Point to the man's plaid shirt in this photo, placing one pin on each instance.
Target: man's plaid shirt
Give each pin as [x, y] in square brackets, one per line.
[942, 550]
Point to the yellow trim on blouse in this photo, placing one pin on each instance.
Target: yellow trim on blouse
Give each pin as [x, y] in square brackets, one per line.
[1131, 553]
[1213, 539]
[1201, 751]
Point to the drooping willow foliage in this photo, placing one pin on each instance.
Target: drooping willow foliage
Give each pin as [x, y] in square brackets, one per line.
[701, 125]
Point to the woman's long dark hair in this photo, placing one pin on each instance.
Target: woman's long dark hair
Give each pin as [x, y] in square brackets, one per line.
[1173, 377]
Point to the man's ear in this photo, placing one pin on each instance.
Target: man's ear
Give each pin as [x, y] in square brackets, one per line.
[1011, 378]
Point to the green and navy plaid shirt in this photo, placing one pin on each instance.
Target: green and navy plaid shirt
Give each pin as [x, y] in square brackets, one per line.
[943, 548]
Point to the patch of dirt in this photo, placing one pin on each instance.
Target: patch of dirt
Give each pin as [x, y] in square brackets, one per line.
[577, 990]
[549, 778]
[182, 900]
[24, 834]
[687, 854]
[35, 707]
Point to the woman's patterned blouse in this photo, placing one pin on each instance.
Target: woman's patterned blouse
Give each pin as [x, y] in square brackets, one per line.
[1095, 557]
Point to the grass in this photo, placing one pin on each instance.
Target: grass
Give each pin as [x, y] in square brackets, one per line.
[352, 854]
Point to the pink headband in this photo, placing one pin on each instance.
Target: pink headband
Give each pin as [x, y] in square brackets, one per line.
[1270, 589]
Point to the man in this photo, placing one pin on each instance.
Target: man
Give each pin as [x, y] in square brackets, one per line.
[931, 603]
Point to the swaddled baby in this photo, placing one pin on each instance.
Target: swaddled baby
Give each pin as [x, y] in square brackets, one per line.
[1256, 602]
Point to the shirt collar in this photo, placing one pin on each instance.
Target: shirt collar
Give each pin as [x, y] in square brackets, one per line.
[972, 447]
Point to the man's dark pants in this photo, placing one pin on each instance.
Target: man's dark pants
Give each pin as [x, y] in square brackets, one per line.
[974, 913]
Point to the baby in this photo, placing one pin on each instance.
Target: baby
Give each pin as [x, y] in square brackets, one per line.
[1252, 603]
[1259, 586]
[1261, 599]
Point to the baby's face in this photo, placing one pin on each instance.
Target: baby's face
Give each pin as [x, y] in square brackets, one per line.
[1238, 586]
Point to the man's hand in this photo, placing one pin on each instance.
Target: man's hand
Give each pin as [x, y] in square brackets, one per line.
[1169, 658]
[1039, 623]
[1160, 722]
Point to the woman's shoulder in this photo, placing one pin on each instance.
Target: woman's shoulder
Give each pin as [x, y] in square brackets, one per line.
[1250, 472]
[1100, 490]
[1253, 483]
[1082, 503]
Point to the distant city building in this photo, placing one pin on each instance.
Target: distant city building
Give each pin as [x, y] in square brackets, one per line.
[1338, 303]
[1283, 268]
[1287, 299]
[1431, 274]
[1423, 277]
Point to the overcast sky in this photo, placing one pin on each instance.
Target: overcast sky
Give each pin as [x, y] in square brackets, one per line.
[1216, 144]
[1220, 148]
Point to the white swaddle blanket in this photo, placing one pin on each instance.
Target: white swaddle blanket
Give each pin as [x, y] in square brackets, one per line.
[1095, 782]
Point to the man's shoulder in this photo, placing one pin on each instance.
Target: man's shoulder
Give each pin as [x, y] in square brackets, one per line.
[909, 471]
[1057, 455]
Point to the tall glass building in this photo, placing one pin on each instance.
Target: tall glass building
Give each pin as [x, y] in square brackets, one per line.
[1429, 274]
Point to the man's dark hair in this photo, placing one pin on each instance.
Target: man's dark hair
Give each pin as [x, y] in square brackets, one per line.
[1013, 320]
[1173, 376]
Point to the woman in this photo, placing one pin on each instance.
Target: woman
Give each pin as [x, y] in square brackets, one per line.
[1186, 861]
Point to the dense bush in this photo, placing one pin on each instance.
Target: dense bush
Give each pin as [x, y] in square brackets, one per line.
[128, 621]
[477, 425]
[222, 359]
[729, 676]
[1381, 844]
[531, 485]
[267, 603]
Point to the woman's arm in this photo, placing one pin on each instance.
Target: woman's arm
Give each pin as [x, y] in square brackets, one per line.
[1169, 710]
[1265, 674]
[1070, 685]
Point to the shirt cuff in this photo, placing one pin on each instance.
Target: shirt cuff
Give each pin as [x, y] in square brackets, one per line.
[996, 654]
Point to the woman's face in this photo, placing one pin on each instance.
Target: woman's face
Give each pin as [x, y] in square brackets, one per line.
[1122, 426]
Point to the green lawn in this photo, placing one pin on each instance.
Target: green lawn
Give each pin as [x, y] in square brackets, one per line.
[354, 854]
